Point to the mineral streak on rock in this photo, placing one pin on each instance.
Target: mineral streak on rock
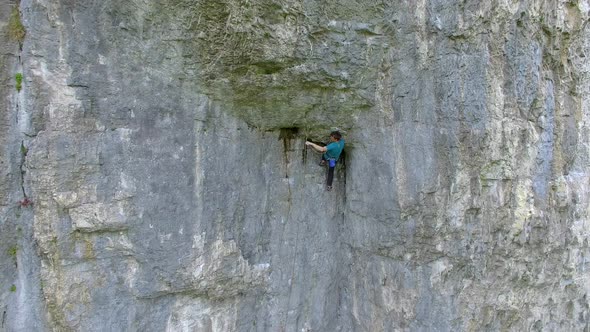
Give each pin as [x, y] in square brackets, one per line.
[159, 146]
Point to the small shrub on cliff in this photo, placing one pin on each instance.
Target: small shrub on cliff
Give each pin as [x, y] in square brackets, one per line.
[13, 288]
[25, 202]
[12, 251]
[16, 30]
[23, 149]
[19, 81]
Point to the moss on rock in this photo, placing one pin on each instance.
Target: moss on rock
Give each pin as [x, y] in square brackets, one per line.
[284, 63]
[16, 30]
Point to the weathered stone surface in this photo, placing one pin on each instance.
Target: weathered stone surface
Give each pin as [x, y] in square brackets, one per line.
[162, 148]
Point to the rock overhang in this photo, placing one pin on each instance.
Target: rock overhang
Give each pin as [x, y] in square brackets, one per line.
[274, 66]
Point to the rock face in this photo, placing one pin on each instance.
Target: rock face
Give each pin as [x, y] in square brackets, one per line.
[154, 176]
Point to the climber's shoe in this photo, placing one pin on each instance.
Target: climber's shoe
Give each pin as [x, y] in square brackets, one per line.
[329, 188]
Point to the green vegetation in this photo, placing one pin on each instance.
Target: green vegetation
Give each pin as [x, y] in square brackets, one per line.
[19, 81]
[13, 288]
[12, 251]
[16, 30]
[23, 149]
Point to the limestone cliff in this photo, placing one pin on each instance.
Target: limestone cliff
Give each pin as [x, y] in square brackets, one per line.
[154, 176]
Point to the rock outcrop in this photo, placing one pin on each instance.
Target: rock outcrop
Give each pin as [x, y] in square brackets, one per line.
[155, 176]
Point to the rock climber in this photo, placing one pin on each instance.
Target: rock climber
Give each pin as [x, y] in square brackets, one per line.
[330, 155]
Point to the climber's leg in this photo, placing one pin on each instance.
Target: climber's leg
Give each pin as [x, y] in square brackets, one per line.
[330, 177]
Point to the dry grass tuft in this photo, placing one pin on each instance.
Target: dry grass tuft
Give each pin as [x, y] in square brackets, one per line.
[16, 30]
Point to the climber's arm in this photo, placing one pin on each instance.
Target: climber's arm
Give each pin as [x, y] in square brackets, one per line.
[316, 147]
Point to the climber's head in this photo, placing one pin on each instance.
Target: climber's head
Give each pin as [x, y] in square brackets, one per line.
[335, 136]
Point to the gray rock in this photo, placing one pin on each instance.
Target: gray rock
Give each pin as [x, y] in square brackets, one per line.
[164, 156]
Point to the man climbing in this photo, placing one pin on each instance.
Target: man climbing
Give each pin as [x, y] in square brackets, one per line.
[331, 153]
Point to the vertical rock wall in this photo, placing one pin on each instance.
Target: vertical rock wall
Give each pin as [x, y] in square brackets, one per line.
[163, 153]
[21, 302]
[9, 169]
[484, 172]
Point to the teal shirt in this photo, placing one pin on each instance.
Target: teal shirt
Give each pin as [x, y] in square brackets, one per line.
[334, 149]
